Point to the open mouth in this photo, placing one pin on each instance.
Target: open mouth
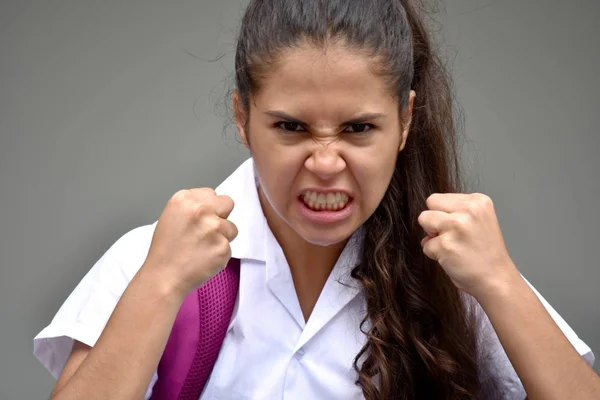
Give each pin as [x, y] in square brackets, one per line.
[331, 201]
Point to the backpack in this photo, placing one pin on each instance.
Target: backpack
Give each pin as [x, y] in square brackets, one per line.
[197, 336]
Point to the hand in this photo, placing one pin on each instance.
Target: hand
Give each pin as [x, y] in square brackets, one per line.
[464, 237]
[191, 240]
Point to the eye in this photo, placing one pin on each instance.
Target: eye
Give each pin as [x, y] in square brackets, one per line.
[359, 128]
[290, 126]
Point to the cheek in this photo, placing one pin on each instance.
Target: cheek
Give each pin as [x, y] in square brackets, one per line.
[373, 175]
[277, 171]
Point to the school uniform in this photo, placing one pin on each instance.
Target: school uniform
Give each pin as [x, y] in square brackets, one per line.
[269, 351]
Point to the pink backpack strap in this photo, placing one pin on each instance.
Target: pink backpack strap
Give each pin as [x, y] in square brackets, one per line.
[197, 336]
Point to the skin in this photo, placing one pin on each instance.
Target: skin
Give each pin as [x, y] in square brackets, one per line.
[463, 235]
[191, 241]
[324, 90]
[189, 246]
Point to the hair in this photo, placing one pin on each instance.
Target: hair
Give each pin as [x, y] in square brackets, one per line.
[421, 336]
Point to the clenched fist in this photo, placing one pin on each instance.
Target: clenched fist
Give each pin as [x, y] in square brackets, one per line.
[464, 237]
[191, 240]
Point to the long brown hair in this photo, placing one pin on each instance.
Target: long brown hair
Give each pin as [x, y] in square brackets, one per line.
[421, 339]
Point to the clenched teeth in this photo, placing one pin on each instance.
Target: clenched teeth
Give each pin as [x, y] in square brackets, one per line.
[332, 201]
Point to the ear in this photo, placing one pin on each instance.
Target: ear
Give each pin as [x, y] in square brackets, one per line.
[240, 116]
[407, 118]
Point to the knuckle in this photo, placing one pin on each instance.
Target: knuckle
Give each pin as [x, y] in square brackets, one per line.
[461, 222]
[225, 201]
[487, 202]
[482, 200]
[223, 251]
[206, 191]
[430, 250]
[212, 225]
[446, 243]
[234, 231]
[180, 196]
[473, 207]
[196, 209]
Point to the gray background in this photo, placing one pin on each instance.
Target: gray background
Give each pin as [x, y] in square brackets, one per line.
[104, 114]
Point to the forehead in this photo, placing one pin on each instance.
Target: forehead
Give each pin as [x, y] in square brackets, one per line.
[332, 79]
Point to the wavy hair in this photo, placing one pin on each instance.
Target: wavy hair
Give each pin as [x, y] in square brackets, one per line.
[421, 337]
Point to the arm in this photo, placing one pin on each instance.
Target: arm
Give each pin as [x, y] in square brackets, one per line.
[121, 363]
[464, 237]
[189, 246]
[546, 362]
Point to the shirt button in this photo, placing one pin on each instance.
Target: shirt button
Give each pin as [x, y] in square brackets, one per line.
[299, 354]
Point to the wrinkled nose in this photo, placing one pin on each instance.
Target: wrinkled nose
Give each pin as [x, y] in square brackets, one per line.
[325, 161]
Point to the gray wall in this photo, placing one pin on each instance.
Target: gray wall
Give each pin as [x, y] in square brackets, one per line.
[104, 114]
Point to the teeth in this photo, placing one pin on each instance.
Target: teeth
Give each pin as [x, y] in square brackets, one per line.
[321, 201]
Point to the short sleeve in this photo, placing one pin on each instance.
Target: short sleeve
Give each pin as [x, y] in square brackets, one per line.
[498, 377]
[86, 311]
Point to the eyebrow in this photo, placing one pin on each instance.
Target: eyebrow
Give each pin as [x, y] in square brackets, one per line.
[356, 120]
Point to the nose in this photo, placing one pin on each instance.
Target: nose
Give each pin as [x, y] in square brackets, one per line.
[325, 161]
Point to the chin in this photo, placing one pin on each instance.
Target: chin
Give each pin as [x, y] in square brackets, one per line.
[324, 238]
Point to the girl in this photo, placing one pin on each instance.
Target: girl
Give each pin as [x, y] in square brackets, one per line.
[365, 273]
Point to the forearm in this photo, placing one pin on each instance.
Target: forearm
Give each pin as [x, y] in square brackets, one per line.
[120, 365]
[546, 362]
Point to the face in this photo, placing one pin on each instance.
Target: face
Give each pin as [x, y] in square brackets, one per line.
[325, 134]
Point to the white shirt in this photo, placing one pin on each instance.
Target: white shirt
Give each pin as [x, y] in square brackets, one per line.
[269, 352]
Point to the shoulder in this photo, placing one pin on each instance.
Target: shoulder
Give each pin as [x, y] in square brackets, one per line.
[130, 251]
[495, 369]
[86, 310]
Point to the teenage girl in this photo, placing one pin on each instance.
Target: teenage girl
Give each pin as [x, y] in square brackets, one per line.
[365, 272]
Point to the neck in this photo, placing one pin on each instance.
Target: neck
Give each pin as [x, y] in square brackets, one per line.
[309, 264]
[299, 253]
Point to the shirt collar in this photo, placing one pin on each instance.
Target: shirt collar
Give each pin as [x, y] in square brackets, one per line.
[247, 214]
